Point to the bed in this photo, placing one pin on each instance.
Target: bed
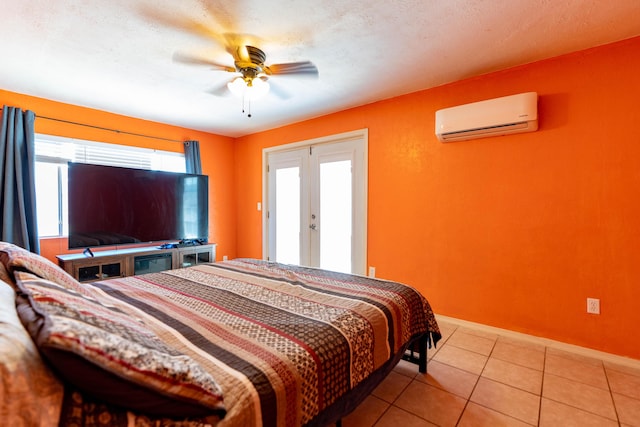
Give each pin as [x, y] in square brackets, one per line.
[237, 343]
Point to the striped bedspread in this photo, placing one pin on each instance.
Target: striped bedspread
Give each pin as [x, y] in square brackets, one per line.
[283, 342]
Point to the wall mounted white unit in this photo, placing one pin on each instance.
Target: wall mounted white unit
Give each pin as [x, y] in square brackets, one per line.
[493, 117]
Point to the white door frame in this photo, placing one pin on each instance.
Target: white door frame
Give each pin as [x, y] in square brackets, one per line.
[359, 262]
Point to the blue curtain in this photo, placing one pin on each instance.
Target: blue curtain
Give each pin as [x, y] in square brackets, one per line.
[17, 179]
[192, 157]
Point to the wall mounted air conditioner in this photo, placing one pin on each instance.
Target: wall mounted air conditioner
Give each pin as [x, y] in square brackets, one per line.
[499, 116]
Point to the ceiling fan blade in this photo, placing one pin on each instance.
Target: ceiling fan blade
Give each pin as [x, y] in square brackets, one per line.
[195, 60]
[220, 89]
[304, 68]
[276, 88]
[230, 41]
[181, 23]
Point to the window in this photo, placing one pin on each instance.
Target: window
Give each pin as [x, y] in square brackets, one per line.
[52, 155]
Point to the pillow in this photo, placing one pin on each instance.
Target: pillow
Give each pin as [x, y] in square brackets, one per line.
[16, 258]
[112, 355]
[30, 394]
[4, 275]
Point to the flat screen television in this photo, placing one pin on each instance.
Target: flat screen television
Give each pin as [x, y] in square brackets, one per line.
[118, 206]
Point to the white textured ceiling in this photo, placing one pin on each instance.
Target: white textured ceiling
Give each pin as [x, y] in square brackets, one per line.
[117, 55]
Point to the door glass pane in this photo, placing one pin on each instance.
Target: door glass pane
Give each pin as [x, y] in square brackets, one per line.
[335, 214]
[288, 215]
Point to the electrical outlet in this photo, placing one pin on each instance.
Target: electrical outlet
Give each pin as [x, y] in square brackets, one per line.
[372, 272]
[593, 305]
[225, 258]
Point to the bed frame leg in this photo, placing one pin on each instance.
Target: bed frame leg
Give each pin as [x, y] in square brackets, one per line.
[339, 423]
[422, 347]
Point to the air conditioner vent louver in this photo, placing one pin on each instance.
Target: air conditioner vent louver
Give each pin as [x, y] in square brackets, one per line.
[493, 117]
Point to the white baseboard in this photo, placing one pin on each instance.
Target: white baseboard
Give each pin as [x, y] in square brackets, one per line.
[559, 345]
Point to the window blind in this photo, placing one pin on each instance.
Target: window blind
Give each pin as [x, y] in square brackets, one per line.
[53, 149]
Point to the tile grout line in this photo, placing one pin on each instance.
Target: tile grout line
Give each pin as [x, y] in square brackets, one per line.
[544, 369]
[546, 342]
[400, 394]
[613, 401]
[539, 394]
[442, 344]
[476, 384]
[588, 411]
[491, 353]
[547, 353]
[544, 373]
[381, 416]
[506, 384]
[392, 403]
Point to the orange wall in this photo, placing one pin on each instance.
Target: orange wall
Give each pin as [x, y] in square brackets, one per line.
[217, 156]
[514, 232]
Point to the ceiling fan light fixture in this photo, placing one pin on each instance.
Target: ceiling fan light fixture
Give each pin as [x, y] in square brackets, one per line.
[237, 87]
[258, 88]
[249, 90]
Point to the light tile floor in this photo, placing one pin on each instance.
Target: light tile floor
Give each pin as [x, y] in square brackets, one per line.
[477, 378]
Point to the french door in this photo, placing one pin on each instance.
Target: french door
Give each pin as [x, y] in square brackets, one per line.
[316, 195]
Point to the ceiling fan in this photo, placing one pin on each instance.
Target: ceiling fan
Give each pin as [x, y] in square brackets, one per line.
[252, 73]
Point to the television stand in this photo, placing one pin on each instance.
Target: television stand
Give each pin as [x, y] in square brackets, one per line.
[128, 262]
